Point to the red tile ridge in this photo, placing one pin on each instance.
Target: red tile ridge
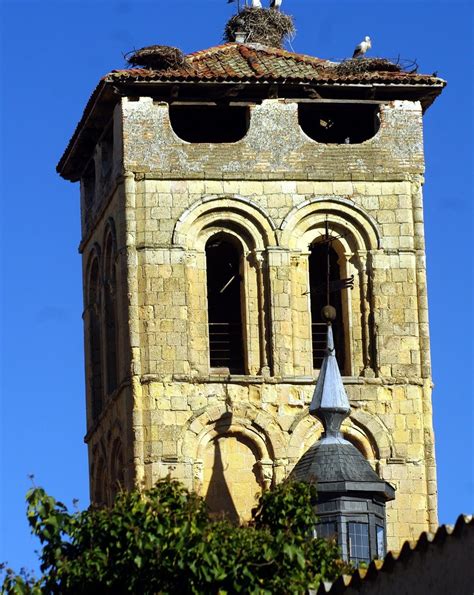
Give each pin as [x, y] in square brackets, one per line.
[251, 57]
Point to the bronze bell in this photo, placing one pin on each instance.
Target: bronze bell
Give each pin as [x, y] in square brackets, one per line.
[328, 313]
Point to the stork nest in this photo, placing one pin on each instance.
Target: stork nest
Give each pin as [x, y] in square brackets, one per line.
[261, 25]
[156, 57]
[359, 65]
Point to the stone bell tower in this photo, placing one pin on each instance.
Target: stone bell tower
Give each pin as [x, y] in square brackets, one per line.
[208, 182]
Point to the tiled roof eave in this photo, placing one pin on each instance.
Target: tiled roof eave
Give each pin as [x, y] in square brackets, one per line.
[88, 113]
[261, 80]
[214, 81]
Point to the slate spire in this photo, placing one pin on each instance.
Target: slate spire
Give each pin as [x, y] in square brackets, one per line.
[330, 403]
[351, 496]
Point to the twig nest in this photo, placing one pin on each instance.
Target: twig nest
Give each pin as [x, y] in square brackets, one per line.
[358, 65]
[261, 25]
[156, 57]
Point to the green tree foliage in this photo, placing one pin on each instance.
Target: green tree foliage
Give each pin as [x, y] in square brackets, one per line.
[163, 541]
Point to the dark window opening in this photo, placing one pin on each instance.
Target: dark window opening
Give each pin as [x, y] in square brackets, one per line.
[110, 307]
[317, 282]
[339, 123]
[117, 470]
[111, 336]
[95, 373]
[88, 185]
[107, 147]
[100, 491]
[223, 260]
[358, 542]
[209, 124]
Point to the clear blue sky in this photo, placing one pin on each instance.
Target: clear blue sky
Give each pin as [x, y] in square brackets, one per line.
[52, 56]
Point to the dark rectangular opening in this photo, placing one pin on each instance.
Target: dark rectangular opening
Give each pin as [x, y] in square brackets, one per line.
[339, 123]
[209, 124]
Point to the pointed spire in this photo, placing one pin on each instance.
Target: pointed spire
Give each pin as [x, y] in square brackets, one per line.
[330, 403]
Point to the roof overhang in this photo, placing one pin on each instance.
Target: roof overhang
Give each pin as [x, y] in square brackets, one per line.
[380, 488]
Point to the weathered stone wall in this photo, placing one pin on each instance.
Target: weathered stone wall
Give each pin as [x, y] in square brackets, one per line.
[274, 145]
[272, 192]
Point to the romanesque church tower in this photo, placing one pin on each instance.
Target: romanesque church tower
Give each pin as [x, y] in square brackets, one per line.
[209, 186]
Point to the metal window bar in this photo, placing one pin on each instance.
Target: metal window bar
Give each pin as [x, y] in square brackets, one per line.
[225, 346]
[319, 333]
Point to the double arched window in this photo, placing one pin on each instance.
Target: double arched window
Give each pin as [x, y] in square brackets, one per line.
[256, 292]
[229, 306]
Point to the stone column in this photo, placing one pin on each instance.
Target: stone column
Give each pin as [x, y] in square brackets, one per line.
[281, 324]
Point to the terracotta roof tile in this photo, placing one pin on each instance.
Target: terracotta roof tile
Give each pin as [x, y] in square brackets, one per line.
[254, 62]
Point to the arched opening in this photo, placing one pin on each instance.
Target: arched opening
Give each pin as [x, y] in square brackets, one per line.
[88, 185]
[232, 479]
[361, 447]
[95, 357]
[100, 483]
[339, 123]
[224, 264]
[107, 148]
[110, 311]
[117, 469]
[209, 124]
[318, 268]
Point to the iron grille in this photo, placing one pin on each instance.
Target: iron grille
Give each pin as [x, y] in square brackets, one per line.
[225, 342]
[319, 334]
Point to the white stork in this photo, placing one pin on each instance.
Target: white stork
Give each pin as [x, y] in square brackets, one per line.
[275, 4]
[256, 3]
[362, 48]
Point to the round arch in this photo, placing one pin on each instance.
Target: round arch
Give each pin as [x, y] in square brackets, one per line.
[93, 260]
[364, 430]
[109, 241]
[254, 423]
[100, 481]
[116, 466]
[308, 220]
[220, 213]
[233, 451]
